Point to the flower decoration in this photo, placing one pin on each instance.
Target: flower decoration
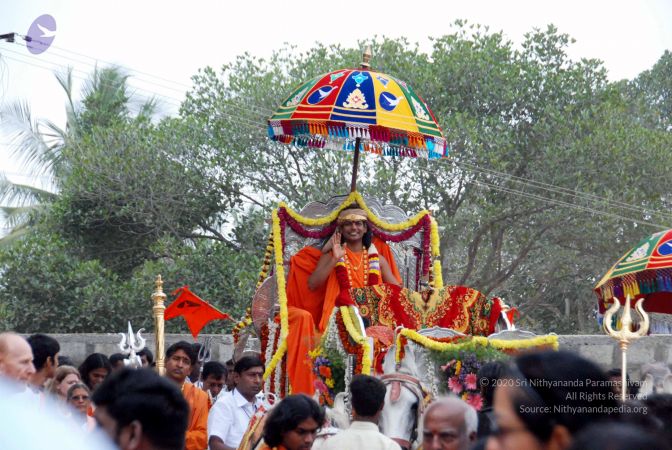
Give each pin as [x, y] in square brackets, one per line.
[455, 385]
[470, 382]
[462, 379]
[329, 374]
[475, 400]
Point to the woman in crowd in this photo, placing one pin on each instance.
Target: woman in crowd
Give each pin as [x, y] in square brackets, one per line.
[64, 378]
[95, 368]
[79, 398]
[543, 399]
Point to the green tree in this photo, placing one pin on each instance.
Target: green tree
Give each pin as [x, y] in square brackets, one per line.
[39, 143]
[132, 184]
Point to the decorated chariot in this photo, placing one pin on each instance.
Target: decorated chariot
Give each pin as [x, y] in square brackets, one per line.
[372, 324]
[365, 325]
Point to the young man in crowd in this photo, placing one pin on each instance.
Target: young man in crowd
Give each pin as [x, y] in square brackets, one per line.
[367, 395]
[231, 415]
[214, 378]
[117, 361]
[139, 410]
[147, 357]
[293, 424]
[45, 359]
[230, 381]
[179, 359]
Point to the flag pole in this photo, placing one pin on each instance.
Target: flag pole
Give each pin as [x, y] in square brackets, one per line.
[158, 298]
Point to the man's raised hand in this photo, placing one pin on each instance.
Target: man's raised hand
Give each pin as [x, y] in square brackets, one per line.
[337, 250]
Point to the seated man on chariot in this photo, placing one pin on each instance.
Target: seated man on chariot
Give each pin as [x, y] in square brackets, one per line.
[353, 258]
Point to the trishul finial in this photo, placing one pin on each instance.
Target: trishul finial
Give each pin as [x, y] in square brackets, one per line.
[366, 57]
[625, 335]
[130, 347]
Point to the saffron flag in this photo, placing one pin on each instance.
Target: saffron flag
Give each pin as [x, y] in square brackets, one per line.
[196, 311]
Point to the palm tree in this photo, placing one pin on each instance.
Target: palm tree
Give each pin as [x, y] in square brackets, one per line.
[40, 143]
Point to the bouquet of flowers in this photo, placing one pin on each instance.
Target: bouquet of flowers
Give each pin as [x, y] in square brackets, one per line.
[329, 373]
[461, 373]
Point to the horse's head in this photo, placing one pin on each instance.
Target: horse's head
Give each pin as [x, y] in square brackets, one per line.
[404, 399]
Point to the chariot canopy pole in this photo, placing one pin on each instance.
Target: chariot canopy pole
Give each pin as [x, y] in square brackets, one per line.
[355, 165]
[625, 335]
[366, 58]
[158, 298]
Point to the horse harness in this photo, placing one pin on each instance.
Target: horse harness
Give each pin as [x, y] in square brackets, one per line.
[397, 380]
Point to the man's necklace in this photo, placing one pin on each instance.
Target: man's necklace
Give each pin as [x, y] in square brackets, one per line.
[351, 268]
[361, 259]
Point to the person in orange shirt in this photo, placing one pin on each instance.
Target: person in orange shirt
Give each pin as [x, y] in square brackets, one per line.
[313, 286]
[179, 360]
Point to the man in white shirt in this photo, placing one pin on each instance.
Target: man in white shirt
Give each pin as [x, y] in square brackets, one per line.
[367, 396]
[231, 414]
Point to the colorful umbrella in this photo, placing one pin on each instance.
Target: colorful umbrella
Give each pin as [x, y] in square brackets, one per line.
[644, 272]
[358, 109]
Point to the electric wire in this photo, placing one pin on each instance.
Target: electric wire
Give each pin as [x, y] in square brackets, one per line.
[148, 94]
[566, 204]
[552, 188]
[130, 71]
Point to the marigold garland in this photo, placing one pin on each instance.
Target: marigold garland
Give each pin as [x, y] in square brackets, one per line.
[435, 240]
[355, 197]
[472, 342]
[404, 235]
[282, 295]
[240, 326]
[402, 340]
[349, 348]
[299, 228]
[358, 338]
[521, 344]
[263, 273]
[438, 276]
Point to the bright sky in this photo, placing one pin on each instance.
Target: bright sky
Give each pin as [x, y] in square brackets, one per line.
[163, 43]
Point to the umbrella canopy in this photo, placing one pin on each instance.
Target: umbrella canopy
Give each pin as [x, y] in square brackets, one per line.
[643, 272]
[340, 109]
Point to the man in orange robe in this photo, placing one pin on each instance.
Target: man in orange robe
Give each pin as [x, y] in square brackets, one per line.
[179, 360]
[312, 288]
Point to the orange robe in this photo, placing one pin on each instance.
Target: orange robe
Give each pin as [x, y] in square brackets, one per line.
[197, 431]
[309, 311]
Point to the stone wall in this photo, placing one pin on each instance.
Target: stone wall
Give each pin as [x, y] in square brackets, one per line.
[78, 346]
[599, 348]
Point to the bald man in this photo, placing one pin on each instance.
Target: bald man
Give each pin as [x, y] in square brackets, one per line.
[16, 358]
[449, 424]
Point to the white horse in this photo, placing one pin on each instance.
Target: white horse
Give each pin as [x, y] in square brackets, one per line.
[413, 383]
[656, 379]
[409, 388]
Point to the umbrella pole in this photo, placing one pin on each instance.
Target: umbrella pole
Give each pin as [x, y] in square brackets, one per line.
[355, 165]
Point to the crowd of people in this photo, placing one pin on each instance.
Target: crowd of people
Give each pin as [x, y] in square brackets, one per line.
[542, 400]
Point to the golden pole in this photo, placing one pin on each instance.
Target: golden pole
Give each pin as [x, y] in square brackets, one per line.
[625, 335]
[158, 297]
